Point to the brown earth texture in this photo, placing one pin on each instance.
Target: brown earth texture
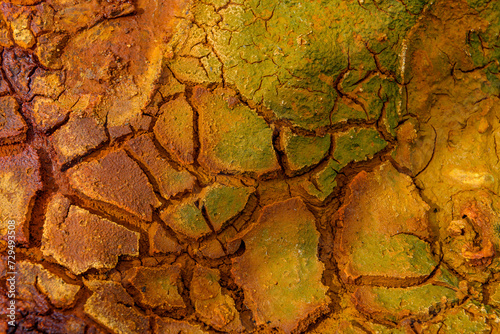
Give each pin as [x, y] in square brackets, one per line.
[249, 166]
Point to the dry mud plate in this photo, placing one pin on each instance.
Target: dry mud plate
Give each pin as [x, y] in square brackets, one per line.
[249, 166]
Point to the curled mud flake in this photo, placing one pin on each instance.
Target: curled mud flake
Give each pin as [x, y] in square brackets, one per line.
[158, 288]
[379, 241]
[116, 179]
[480, 254]
[60, 293]
[471, 241]
[170, 180]
[13, 128]
[66, 239]
[174, 130]
[457, 227]
[172, 326]
[214, 307]
[233, 140]
[279, 272]
[160, 242]
[77, 137]
[415, 145]
[187, 219]
[21, 32]
[391, 305]
[20, 180]
[303, 152]
[18, 65]
[223, 203]
[111, 306]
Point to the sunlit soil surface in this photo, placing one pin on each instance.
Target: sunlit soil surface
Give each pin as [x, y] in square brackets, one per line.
[239, 166]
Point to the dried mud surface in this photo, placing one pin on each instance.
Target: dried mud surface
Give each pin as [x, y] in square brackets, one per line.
[243, 166]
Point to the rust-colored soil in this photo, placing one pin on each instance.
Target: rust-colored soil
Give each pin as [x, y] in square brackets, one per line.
[240, 166]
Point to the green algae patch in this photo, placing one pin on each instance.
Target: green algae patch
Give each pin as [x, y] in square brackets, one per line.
[186, 218]
[401, 254]
[279, 272]
[393, 107]
[472, 317]
[379, 241]
[370, 94]
[357, 145]
[347, 110]
[462, 322]
[303, 152]
[287, 56]
[224, 203]
[394, 304]
[233, 138]
[443, 275]
[322, 183]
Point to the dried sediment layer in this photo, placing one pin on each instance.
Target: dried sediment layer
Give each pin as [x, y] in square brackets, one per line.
[253, 167]
[279, 271]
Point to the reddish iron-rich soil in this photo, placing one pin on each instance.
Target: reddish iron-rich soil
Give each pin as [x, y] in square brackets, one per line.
[234, 166]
